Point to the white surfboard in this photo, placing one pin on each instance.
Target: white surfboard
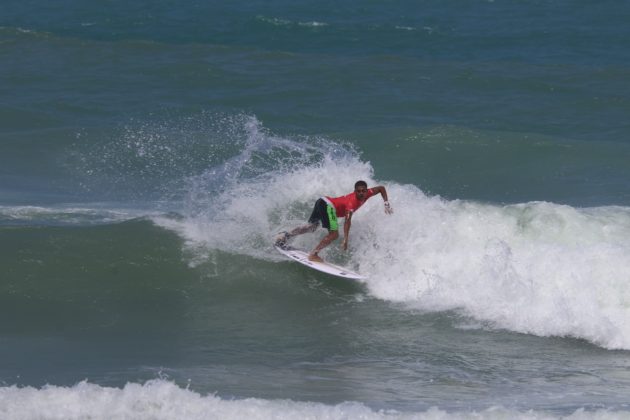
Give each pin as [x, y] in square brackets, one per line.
[325, 267]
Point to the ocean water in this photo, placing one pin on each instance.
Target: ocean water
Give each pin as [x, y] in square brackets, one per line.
[150, 151]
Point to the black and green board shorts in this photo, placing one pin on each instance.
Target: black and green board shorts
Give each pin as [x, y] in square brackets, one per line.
[325, 214]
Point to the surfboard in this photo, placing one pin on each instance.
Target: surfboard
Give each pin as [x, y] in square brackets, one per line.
[324, 267]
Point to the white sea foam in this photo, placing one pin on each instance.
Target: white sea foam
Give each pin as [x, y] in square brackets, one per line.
[538, 268]
[161, 399]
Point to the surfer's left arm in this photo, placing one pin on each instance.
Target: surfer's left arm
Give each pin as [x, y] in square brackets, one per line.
[383, 192]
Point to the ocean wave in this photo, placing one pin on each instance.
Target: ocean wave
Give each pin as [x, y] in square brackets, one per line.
[66, 216]
[161, 399]
[23, 32]
[278, 22]
[537, 268]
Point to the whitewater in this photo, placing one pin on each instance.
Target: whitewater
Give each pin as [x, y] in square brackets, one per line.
[160, 399]
[535, 268]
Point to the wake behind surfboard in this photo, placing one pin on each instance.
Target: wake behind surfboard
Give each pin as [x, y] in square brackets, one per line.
[325, 267]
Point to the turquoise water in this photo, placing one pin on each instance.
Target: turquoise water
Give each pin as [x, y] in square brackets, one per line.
[149, 151]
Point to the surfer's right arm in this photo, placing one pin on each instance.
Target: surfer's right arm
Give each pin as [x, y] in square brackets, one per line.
[346, 230]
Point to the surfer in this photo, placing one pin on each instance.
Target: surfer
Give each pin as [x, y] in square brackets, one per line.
[328, 209]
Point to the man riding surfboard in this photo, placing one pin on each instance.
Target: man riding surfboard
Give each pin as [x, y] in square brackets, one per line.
[328, 209]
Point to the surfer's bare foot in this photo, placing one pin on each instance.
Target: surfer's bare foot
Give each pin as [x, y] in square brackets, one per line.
[315, 258]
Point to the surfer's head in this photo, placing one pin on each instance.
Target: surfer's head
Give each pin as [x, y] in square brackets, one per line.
[360, 189]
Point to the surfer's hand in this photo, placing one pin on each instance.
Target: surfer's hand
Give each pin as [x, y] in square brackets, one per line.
[388, 208]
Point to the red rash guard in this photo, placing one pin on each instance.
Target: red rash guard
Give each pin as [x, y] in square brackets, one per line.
[348, 202]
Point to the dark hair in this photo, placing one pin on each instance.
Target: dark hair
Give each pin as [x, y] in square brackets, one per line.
[360, 184]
